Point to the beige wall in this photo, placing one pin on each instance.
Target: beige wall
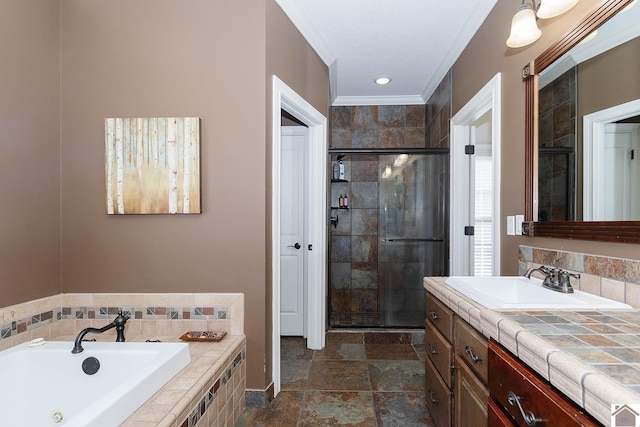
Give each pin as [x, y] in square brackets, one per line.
[29, 150]
[80, 61]
[487, 55]
[289, 57]
[609, 79]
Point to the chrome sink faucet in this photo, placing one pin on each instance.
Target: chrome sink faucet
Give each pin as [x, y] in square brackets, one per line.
[555, 279]
[118, 323]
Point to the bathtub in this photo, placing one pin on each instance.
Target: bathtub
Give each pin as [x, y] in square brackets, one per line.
[45, 385]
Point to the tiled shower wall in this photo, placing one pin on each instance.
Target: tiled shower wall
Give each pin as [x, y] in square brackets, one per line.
[557, 124]
[356, 298]
[614, 278]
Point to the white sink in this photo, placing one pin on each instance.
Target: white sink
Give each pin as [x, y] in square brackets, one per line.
[517, 292]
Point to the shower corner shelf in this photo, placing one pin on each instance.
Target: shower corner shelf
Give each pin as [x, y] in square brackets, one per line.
[338, 180]
[340, 207]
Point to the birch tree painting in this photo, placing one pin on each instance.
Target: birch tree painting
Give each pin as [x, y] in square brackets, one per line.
[152, 165]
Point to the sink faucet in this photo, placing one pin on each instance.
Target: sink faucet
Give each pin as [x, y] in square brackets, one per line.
[555, 279]
[118, 323]
[546, 271]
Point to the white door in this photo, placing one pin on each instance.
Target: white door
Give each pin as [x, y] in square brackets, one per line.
[292, 224]
[620, 192]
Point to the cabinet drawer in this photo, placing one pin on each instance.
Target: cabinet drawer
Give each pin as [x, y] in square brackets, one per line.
[508, 376]
[496, 417]
[440, 316]
[438, 396]
[440, 352]
[472, 348]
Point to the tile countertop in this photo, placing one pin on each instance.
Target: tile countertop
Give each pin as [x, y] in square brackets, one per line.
[593, 357]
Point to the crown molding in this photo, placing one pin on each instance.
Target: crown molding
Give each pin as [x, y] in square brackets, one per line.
[480, 12]
[308, 31]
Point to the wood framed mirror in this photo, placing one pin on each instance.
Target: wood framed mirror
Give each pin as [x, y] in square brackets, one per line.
[613, 231]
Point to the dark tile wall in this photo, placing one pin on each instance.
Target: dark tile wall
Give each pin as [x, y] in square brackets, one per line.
[557, 128]
[438, 114]
[365, 279]
[378, 126]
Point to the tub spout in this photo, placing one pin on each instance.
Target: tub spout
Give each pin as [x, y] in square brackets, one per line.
[118, 323]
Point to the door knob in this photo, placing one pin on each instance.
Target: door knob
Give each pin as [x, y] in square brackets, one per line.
[297, 246]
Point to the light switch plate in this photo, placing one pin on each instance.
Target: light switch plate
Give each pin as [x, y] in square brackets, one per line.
[519, 221]
[511, 225]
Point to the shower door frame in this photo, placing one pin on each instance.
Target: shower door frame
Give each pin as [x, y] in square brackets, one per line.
[427, 151]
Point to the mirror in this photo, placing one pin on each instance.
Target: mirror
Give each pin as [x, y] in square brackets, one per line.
[583, 130]
[588, 127]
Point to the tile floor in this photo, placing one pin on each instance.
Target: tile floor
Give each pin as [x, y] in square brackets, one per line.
[348, 383]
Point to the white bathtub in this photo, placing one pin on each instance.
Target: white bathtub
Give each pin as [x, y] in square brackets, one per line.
[45, 385]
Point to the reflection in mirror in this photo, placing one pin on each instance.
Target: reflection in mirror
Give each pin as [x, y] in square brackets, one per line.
[589, 103]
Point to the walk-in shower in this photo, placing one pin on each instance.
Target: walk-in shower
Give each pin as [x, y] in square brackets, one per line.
[392, 233]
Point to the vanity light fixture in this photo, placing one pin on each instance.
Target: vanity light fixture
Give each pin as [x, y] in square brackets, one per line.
[524, 28]
[382, 80]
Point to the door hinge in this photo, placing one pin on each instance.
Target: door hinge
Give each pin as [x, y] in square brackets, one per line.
[470, 149]
[469, 230]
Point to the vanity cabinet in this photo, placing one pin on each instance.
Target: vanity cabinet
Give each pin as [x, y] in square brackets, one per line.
[439, 361]
[455, 367]
[471, 392]
[517, 392]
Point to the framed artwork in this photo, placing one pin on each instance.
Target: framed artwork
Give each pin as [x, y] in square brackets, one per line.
[152, 165]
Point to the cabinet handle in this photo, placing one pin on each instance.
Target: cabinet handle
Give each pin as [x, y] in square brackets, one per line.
[432, 349]
[433, 315]
[432, 396]
[469, 351]
[528, 416]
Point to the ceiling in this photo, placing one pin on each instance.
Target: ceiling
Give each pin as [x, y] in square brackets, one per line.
[414, 42]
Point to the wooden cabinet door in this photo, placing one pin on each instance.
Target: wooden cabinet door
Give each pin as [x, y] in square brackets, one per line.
[471, 397]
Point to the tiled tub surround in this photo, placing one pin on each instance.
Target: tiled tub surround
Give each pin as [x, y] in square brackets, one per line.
[208, 392]
[617, 279]
[151, 315]
[592, 357]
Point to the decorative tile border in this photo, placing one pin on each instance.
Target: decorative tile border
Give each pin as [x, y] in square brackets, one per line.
[198, 415]
[614, 278]
[22, 318]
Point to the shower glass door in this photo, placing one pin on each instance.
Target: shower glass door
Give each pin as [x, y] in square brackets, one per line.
[393, 234]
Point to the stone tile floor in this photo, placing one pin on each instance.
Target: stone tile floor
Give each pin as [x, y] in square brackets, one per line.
[348, 383]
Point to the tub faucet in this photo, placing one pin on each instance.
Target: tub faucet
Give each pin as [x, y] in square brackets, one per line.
[118, 323]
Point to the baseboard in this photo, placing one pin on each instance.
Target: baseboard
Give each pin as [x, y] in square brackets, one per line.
[258, 398]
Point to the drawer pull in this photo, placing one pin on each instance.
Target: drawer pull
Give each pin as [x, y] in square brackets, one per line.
[528, 417]
[432, 395]
[434, 315]
[474, 357]
[432, 349]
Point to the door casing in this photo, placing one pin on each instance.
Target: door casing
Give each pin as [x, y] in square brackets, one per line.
[285, 98]
[488, 98]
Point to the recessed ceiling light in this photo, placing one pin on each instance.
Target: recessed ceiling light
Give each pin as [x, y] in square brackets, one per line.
[382, 80]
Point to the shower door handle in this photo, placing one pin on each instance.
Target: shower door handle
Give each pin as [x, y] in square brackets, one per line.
[297, 246]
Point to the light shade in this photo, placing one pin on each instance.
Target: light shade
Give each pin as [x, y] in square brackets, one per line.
[553, 8]
[524, 29]
[382, 80]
